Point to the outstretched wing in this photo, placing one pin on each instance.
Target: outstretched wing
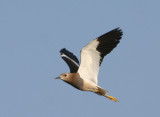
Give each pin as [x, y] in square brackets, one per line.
[92, 54]
[70, 59]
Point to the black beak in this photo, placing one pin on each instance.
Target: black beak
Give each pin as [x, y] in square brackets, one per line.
[57, 78]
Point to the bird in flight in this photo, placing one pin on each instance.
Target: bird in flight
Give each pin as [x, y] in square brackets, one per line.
[84, 76]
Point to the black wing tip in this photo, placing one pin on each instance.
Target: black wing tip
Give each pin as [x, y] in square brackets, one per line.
[118, 31]
[63, 50]
[69, 54]
[115, 34]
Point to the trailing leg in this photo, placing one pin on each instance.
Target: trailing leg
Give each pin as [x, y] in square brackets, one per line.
[104, 92]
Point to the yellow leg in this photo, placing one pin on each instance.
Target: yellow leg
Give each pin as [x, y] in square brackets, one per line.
[103, 92]
[111, 98]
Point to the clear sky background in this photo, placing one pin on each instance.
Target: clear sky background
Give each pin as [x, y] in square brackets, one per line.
[32, 32]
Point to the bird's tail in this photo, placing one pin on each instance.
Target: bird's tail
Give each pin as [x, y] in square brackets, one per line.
[104, 92]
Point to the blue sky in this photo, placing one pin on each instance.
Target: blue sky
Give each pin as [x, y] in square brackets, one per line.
[31, 34]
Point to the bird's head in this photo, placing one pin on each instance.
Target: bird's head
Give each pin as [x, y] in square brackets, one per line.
[64, 77]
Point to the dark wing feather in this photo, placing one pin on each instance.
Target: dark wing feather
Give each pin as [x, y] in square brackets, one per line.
[108, 41]
[70, 59]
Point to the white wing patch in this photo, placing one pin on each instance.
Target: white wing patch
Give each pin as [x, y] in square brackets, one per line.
[90, 59]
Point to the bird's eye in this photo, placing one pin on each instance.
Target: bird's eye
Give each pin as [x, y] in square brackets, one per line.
[65, 75]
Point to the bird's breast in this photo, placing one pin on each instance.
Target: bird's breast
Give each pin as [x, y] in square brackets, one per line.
[83, 84]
